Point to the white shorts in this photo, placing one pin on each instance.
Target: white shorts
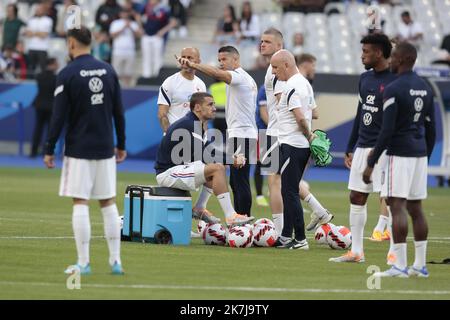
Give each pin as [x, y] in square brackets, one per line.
[359, 164]
[88, 179]
[405, 178]
[123, 64]
[185, 177]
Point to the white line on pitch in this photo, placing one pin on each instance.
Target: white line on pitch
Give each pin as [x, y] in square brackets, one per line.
[244, 289]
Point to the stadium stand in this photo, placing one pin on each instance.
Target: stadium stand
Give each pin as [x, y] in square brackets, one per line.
[332, 35]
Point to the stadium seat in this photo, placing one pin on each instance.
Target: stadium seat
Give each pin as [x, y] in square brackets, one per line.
[24, 11]
[268, 20]
[357, 18]
[293, 22]
[248, 54]
[315, 22]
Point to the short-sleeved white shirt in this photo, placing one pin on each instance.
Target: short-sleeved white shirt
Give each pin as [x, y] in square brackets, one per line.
[39, 24]
[176, 91]
[241, 105]
[124, 43]
[297, 93]
[407, 31]
[273, 87]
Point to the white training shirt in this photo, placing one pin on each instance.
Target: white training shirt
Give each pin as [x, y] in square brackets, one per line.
[124, 43]
[297, 93]
[39, 24]
[273, 86]
[241, 105]
[176, 91]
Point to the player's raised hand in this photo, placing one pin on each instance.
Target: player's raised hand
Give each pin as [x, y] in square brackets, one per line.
[120, 155]
[182, 61]
[49, 161]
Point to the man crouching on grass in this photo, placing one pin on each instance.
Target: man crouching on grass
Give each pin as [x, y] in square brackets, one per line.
[189, 172]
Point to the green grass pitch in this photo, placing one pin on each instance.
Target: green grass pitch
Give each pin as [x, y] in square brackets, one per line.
[36, 245]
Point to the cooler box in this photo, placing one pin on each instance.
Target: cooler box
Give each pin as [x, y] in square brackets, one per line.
[157, 214]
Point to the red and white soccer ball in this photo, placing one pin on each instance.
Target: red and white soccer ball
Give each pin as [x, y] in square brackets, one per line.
[240, 237]
[264, 235]
[321, 233]
[214, 234]
[339, 238]
[264, 221]
[201, 226]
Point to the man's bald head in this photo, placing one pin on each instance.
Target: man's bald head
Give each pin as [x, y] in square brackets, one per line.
[191, 54]
[285, 57]
[283, 65]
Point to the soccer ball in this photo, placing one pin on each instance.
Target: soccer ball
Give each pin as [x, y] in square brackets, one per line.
[321, 233]
[339, 237]
[240, 237]
[264, 235]
[214, 234]
[264, 221]
[201, 226]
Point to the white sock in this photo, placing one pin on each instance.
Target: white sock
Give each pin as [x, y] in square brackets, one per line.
[358, 218]
[389, 228]
[382, 222]
[112, 232]
[315, 206]
[82, 231]
[400, 253]
[421, 254]
[278, 221]
[204, 197]
[225, 204]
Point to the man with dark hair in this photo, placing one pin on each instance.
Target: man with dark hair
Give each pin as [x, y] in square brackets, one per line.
[38, 32]
[11, 26]
[408, 133]
[306, 64]
[187, 171]
[82, 35]
[376, 50]
[88, 96]
[106, 14]
[158, 23]
[43, 102]
[409, 30]
[240, 116]
[173, 104]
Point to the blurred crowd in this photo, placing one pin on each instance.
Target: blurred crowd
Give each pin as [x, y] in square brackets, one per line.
[120, 31]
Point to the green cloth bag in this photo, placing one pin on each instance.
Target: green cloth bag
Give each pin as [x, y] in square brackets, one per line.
[320, 148]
